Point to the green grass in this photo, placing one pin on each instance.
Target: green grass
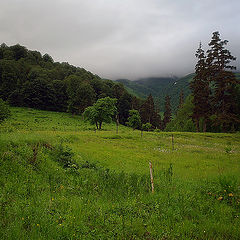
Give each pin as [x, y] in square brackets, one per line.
[104, 192]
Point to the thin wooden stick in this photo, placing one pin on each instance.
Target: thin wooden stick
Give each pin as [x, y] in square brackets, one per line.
[151, 175]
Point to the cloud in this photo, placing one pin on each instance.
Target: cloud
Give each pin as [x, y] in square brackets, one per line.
[121, 38]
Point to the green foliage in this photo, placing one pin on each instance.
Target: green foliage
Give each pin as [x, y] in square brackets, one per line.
[64, 156]
[134, 120]
[102, 111]
[146, 126]
[215, 87]
[183, 120]
[81, 94]
[149, 113]
[124, 104]
[167, 117]
[4, 111]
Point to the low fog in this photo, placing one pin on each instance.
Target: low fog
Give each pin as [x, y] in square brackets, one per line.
[121, 38]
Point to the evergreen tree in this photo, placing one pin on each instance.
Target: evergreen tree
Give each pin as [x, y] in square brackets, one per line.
[149, 114]
[224, 82]
[147, 110]
[181, 100]
[168, 112]
[200, 89]
[123, 106]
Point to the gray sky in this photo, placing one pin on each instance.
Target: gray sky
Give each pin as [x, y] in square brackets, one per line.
[121, 38]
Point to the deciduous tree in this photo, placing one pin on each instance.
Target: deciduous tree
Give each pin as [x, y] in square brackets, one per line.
[102, 111]
[134, 119]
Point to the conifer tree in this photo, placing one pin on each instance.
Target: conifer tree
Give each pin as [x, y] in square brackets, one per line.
[168, 112]
[224, 82]
[181, 100]
[147, 110]
[200, 90]
[149, 114]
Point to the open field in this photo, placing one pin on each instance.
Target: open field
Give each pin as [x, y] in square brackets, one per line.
[62, 180]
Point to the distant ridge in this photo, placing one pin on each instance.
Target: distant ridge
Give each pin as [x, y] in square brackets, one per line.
[159, 87]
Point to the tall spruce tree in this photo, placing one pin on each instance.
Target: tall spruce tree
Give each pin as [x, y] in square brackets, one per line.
[168, 112]
[149, 114]
[201, 91]
[224, 82]
[147, 110]
[181, 100]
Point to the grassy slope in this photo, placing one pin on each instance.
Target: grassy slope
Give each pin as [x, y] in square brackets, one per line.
[42, 200]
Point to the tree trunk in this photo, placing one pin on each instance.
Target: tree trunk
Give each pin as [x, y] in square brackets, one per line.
[204, 125]
[197, 124]
[100, 125]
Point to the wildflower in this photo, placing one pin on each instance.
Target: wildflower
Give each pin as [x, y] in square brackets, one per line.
[22, 218]
[230, 194]
[224, 190]
[52, 199]
[220, 198]
[38, 225]
[209, 193]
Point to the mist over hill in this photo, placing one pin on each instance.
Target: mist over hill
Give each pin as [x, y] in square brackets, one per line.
[159, 88]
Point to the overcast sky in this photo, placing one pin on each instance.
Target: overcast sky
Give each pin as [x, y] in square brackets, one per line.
[121, 38]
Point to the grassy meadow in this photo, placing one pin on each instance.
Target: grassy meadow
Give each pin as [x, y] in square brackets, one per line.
[61, 179]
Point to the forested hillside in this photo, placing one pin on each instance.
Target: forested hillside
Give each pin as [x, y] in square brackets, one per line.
[30, 79]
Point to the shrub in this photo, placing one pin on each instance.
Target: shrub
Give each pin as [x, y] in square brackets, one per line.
[64, 156]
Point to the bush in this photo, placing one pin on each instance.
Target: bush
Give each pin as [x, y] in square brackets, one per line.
[64, 156]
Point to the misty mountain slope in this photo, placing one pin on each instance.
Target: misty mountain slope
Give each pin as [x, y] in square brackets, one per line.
[159, 88]
[136, 89]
